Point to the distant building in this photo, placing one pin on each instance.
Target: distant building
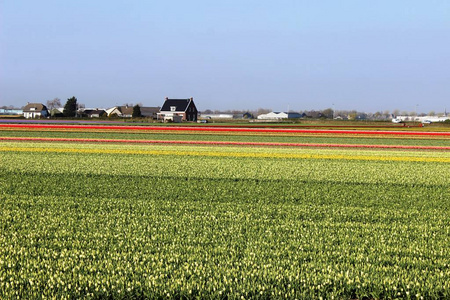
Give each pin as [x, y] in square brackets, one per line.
[225, 116]
[93, 112]
[217, 116]
[120, 111]
[127, 111]
[279, 116]
[178, 110]
[35, 110]
[423, 119]
[247, 115]
[57, 112]
[11, 111]
[150, 112]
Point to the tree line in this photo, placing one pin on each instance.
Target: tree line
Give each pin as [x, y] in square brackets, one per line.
[71, 107]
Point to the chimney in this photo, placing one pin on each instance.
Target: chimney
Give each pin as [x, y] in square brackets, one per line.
[167, 98]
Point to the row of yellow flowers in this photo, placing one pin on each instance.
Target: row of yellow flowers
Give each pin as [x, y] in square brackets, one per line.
[231, 153]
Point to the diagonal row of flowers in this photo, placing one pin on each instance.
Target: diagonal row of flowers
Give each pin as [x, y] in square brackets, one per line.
[84, 140]
[215, 153]
[221, 129]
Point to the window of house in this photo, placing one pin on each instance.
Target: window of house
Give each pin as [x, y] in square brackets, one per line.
[173, 108]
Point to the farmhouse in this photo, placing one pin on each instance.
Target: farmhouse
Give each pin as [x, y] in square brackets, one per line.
[127, 111]
[120, 111]
[93, 113]
[178, 110]
[35, 110]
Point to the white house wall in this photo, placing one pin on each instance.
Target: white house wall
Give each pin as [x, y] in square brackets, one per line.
[31, 115]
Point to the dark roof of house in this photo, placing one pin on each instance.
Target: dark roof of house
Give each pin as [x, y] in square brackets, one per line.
[35, 107]
[180, 104]
[126, 110]
[94, 111]
[149, 111]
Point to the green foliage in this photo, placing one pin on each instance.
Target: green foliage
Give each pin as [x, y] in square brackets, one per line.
[136, 111]
[70, 108]
[169, 226]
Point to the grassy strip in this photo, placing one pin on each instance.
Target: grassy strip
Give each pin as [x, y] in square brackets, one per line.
[407, 141]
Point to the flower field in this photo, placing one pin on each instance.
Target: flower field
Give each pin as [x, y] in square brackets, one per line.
[107, 212]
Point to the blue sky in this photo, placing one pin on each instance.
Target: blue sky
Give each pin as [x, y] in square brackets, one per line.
[302, 55]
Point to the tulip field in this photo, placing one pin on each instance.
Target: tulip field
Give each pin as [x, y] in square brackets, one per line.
[163, 212]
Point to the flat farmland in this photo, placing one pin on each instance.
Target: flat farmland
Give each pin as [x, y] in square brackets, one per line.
[153, 212]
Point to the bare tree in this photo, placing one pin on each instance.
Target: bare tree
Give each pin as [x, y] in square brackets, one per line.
[328, 113]
[261, 111]
[51, 104]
